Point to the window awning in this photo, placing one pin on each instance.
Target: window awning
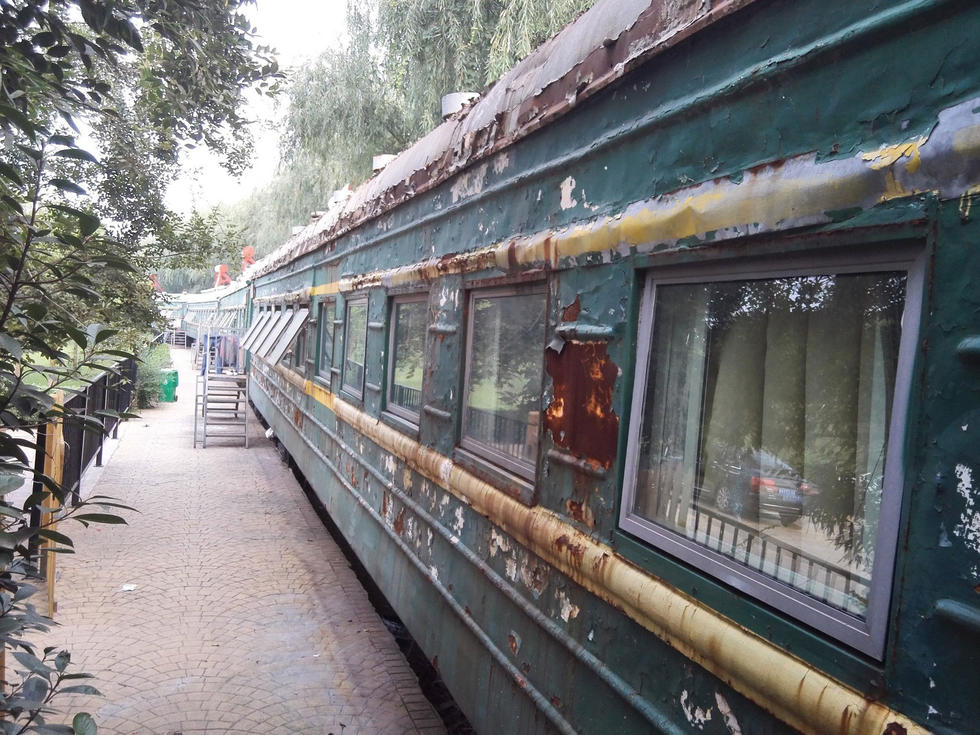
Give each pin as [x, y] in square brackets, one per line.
[254, 330]
[274, 353]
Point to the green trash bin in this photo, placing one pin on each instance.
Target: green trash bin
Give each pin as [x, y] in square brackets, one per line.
[168, 385]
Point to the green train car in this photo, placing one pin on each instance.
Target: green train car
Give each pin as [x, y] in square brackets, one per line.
[647, 386]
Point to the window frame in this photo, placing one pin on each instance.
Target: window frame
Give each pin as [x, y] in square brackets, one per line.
[413, 417]
[485, 452]
[326, 314]
[357, 392]
[868, 635]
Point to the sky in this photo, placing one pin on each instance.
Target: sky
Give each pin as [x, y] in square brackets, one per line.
[299, 30]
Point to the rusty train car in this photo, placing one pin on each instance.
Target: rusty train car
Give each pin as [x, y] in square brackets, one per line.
[647, 386]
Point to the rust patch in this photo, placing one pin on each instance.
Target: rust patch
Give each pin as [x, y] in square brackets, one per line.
[400, 522]
[526, 667]
[895, 728]
[580, 512]
[556, 702]
[512, 255]
[384, 505]
[435, 663]
[570, 313]
[580, 416]
[575, 551]
[298, 419]
[513, 643]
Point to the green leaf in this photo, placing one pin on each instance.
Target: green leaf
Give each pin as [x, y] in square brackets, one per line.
[18, 118]
[9, 172]
[66, 185]
[33, 664]
[81, 689]
[77, 154]
[58, 538]
[83, 724]
[99, 518]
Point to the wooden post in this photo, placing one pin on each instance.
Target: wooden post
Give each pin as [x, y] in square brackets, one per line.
[54, 462]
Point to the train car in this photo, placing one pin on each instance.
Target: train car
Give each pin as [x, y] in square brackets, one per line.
[646, 386]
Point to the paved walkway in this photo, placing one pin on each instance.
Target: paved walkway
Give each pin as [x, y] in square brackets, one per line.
[224, 606]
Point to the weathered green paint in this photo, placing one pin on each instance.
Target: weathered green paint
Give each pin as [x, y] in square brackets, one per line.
[522, 646]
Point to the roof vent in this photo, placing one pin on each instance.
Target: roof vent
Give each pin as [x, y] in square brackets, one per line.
[380, 161]
[456, 101]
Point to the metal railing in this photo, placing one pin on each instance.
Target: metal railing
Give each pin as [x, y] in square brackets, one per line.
[406, 397]
[504, 433]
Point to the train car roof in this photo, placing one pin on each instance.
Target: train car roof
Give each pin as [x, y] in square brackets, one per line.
[600, 46]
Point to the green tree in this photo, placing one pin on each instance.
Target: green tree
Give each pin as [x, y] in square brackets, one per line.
[145, 78]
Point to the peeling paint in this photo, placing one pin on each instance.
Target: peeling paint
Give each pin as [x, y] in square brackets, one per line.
[498, 542]
[568, 611]
[567, 189]
[891, 154]
[510, 569]
[457, 526]
[696, 716]
[726, 712]
[968, 529]
[469, 183]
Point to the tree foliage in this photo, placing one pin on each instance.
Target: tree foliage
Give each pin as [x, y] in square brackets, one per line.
[381, 89]
[137, 81]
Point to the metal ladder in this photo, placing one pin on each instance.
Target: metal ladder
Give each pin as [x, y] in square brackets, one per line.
[221, 408]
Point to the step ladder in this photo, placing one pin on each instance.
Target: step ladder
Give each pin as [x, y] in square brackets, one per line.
[221, 407]
[178, 338]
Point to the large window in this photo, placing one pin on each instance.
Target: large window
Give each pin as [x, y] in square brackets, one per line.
[405, 356]
[762, 441]
[502, 395]
[355, 341]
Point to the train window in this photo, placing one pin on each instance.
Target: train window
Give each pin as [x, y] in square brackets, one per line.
[405, 356]
[502, 389]
[355, 341]
[766, 434]
[326, 339]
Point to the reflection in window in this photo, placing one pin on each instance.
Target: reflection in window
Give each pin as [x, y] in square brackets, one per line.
[408, 322]
[326, 339]
[766, 421]
[503, 387]
[355, 337]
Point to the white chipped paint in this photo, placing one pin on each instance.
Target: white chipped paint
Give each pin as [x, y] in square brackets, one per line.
[510, 569]
[498, 542]
[501, 162]
[390, 464]
[567, 189]
[932, 711]
[695, 715]
[568, 611]
[968, 529]
[407, 479]
[445, 471]
[458, 525]
[443, 502]
[726, 712]
[539, 195]
[964, 427]
[469, 183]
[932, 684]
[428, 538]
[591, 634]
[434, 573]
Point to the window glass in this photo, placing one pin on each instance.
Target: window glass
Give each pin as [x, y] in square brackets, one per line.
[326, 339]
[355, 338]
[765, 424]
[408, 325]
[502, 399]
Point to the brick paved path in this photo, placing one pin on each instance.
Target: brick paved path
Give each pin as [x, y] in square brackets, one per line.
[245, 617]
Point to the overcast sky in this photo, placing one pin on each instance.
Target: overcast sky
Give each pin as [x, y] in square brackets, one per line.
[299, 30]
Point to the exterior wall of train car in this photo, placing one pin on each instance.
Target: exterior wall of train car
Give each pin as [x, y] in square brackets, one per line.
[665, 417]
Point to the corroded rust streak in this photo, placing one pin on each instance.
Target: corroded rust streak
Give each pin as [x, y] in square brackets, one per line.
[580, 416]
[805, 698]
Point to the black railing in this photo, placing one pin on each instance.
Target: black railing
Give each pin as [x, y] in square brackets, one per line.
[835, 585]
[84, 439]
[504, 433]
[406, 397]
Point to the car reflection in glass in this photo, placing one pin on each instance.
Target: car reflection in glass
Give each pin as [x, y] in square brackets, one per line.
[757, 485]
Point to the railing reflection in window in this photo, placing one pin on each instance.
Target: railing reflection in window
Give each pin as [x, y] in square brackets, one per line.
[406, 397]
[504, 433]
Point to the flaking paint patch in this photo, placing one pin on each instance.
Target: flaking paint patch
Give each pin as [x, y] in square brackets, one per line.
[696, 716]
[567, 189]
[510, 569]
[892, 154]
[726, 712]
[501, 162]
[968, 529]
[567, 609]
[498, 542]
[407, 479]
[469, 183]
[458, 525]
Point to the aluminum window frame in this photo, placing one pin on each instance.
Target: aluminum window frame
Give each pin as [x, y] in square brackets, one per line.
[260, 321]
[486, 452]
[324, 363]
[397, 409]
[275, 316]
[868, 635]
[293, 322]
[356, 391]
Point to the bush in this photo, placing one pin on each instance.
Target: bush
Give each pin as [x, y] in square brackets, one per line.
[152, 359]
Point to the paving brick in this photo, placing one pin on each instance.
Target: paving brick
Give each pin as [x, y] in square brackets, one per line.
[245, 617]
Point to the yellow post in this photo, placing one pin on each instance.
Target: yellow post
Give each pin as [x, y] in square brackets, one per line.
[54, 461]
